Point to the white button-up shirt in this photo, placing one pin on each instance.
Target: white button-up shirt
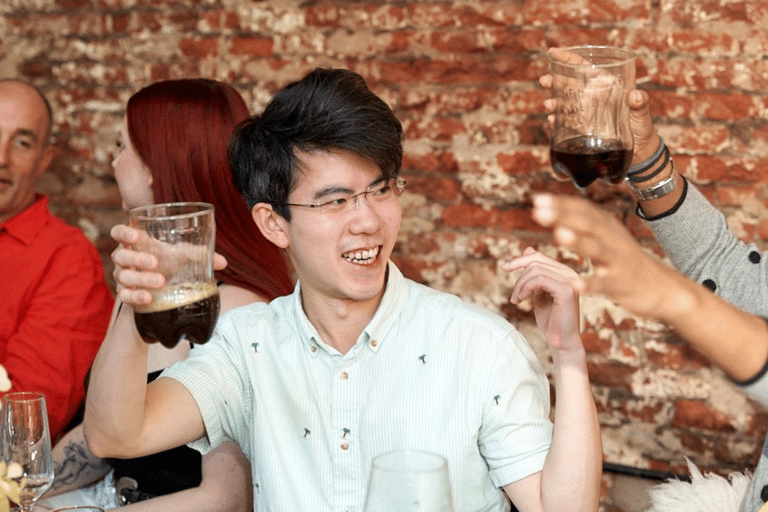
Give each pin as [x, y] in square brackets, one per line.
[430, 372]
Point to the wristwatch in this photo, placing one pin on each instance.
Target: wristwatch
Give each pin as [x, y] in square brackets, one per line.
[656, 191]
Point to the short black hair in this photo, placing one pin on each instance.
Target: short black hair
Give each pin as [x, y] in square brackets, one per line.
[329, 109]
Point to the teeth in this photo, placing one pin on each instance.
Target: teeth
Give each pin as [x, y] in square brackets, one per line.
[361, 256]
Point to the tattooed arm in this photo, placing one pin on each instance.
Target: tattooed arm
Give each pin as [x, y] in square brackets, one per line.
[74, 465]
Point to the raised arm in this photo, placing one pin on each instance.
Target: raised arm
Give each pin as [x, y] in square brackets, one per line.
[631, 277]
[570, 479]
[124, 417]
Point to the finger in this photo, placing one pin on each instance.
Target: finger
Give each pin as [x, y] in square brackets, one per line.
[125, 235]
[124, 257]
[130, 278]
[546, 81]
[134, 297]
[554, 284]
[567, 56]
[219, 261]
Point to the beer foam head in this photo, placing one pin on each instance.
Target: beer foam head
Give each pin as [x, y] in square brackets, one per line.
[178, 295]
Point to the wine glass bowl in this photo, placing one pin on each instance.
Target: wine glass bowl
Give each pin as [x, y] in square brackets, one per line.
[409, 481]
[182, 237]
[591, 137]
[25, 440]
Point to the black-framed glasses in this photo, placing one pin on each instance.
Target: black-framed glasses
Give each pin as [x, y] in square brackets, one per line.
[378, 193]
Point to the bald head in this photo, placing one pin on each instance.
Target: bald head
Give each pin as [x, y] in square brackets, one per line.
[30, 97]
[25, 149]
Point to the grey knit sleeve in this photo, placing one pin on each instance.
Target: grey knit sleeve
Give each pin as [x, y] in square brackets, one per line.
[697, 240]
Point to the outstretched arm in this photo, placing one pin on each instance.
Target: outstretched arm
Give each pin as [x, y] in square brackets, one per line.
[570, 479]
[732, 339]
[125, 417]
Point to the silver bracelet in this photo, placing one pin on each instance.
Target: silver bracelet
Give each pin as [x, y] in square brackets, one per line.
[661, 189]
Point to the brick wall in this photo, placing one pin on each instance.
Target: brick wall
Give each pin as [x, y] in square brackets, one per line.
[461, 75]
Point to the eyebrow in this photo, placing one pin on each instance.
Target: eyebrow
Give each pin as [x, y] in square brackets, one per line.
[27, 133]
[335, 189]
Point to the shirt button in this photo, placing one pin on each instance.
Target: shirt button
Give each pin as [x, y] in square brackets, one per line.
[344, 446]
[374, 343]
[314, 349]
[344, 375]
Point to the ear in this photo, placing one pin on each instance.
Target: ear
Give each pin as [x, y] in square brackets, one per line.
[47, 157]
[272, 225]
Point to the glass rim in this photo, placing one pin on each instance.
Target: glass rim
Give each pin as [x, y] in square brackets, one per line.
[22, 396]
[197, 209]
[433, 463]
[628, 56]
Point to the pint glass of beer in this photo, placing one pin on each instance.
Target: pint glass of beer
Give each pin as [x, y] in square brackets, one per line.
[182, 236]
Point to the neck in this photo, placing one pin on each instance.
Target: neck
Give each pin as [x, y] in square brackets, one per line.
[340, 322]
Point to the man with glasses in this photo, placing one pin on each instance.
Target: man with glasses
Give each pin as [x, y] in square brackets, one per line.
[359, 360]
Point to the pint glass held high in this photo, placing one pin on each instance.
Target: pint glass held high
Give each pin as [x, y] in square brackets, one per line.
[182, 236]
[591, 138]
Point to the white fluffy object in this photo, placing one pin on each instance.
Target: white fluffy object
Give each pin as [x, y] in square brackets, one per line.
[5, 383]
[704, 493]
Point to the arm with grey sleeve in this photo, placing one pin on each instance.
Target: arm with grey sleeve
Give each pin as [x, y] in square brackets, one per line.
[696, 238]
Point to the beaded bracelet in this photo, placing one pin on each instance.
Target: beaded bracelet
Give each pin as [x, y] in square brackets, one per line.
[639, 179]
[649, 162]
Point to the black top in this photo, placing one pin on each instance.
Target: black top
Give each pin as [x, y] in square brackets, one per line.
[162, 473]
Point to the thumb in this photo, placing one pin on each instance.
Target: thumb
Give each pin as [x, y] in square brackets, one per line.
[641, 124]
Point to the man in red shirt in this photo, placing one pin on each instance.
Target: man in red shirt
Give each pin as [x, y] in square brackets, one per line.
[55, 304]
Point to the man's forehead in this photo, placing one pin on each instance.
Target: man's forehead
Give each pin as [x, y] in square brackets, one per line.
[28, 109]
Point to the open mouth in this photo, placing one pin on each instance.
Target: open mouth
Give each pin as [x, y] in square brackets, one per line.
[362, 257]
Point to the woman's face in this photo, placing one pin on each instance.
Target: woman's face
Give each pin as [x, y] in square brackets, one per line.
[133, 177]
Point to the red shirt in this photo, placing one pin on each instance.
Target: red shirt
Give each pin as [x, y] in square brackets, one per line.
[55, 307]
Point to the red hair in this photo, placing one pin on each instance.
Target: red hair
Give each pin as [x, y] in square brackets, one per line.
[181, 129]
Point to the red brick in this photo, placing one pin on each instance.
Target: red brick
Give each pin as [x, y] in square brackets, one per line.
[253, 45]
[697, 414]
[199, 48]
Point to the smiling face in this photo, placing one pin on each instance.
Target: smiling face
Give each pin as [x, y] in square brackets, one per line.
[339, 257]
[134, 179]
[24, 149]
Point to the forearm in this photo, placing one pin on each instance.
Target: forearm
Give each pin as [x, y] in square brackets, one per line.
[732, 339]
[74, 465]
[570, 480]
[226, 486]
[116, 397]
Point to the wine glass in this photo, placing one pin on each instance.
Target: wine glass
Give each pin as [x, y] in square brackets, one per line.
[409, 481]
[591, 138]
[182, 236]
[27, 442]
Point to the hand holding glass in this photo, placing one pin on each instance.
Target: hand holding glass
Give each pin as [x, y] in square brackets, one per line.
[26, 441]
[591, 138]
[182, 236]
[409, 481]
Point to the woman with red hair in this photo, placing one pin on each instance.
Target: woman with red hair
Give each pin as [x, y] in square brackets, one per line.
[173, 147]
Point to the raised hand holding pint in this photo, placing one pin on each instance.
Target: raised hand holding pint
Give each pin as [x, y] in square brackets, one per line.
[182, 236]
[591, 138]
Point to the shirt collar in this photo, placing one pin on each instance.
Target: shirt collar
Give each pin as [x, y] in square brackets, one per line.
[26, 225]
[373, 334]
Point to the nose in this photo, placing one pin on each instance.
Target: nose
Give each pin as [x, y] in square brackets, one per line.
[357, 200]
[5, 149]
[366, 219]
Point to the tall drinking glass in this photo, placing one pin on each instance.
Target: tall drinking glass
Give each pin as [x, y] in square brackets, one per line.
[591, 138]
[182, 236]
[26, 441]
[409, 481]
